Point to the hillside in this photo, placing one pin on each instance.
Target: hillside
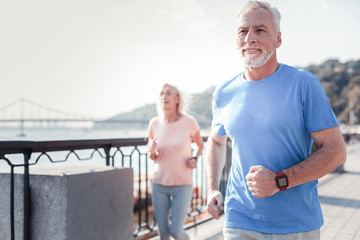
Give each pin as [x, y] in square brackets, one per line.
[198, 105]
[135, 119]
[341, 82]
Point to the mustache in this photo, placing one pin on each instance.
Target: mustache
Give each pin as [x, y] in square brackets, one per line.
[251, 47]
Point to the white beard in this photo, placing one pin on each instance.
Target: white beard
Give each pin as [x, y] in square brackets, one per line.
[256, 62]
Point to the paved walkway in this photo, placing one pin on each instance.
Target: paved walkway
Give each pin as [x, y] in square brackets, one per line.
[340, 202]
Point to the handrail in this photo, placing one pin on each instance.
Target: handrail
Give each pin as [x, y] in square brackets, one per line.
[7, 147]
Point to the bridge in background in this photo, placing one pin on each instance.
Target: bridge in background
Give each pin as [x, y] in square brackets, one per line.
[23, 111]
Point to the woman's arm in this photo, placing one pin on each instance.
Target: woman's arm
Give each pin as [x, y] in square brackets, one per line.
[197, 139]
[199, 143]
[152, 148]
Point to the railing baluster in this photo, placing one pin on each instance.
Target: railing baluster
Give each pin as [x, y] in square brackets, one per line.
[27, 156]
[139, 197]
[12, 203]
[107, 154]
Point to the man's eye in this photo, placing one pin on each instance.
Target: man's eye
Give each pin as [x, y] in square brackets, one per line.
[242, 32]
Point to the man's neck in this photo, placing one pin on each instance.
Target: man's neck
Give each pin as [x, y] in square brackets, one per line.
[256, 74]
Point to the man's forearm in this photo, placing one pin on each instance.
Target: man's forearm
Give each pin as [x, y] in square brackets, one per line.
[330, 155]
[216, 152]
[322, 162]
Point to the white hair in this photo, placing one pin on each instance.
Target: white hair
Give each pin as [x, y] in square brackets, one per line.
[180, 108]
[250, 5]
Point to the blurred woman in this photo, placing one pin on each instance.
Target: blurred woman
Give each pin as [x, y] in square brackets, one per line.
[169, 144]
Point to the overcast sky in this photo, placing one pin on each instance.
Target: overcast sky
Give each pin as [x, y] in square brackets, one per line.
[103, 57]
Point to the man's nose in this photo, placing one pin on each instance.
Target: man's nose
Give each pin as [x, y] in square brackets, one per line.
[250, 36]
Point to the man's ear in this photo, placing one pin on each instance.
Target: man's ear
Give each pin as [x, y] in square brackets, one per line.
[278, 40]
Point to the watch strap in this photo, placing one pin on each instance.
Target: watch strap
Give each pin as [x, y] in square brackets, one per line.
[279, 175]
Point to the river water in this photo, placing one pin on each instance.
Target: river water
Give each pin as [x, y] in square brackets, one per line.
[44, 134]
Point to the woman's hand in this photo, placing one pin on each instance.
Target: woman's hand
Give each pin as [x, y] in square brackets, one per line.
[191, 163]
[152, 148]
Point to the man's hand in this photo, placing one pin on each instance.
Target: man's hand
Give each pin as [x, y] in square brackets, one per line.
[215, 204]
[261, 182]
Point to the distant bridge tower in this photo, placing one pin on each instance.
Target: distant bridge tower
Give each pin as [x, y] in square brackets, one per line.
[21, 122]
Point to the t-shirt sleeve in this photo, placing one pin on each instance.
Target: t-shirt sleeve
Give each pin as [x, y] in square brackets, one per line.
[194, 127]
[318, 113]
[217, 125]
[150, 129]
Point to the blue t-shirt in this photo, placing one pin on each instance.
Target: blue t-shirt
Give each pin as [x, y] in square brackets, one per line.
[269, 122]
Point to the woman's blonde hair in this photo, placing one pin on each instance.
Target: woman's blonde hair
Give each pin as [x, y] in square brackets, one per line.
[180, 108]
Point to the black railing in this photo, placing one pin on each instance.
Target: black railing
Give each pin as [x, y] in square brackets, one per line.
[130, 152]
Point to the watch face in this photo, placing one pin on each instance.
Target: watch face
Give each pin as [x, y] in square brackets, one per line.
[282, 182]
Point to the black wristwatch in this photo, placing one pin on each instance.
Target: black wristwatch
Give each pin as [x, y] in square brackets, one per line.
[281, 180]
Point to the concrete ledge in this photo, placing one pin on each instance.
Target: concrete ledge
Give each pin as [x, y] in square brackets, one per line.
[72, 203]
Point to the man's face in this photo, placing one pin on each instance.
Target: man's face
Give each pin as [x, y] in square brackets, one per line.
[257, 38]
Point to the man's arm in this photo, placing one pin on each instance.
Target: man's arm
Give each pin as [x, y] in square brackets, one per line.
[330, 155]
[215, 152]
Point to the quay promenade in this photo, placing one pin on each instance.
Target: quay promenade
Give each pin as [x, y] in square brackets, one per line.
[340, 202]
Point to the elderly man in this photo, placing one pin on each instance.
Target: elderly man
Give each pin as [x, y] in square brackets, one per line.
[272, 112]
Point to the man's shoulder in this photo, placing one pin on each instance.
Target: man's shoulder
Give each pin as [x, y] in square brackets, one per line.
[297, 71]
[226, 85]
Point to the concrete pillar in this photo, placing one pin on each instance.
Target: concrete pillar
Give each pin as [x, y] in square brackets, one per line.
[72, 203]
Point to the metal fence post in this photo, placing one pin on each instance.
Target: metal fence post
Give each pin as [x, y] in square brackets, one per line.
[12, 204]
[107, 154]
[27, 155]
